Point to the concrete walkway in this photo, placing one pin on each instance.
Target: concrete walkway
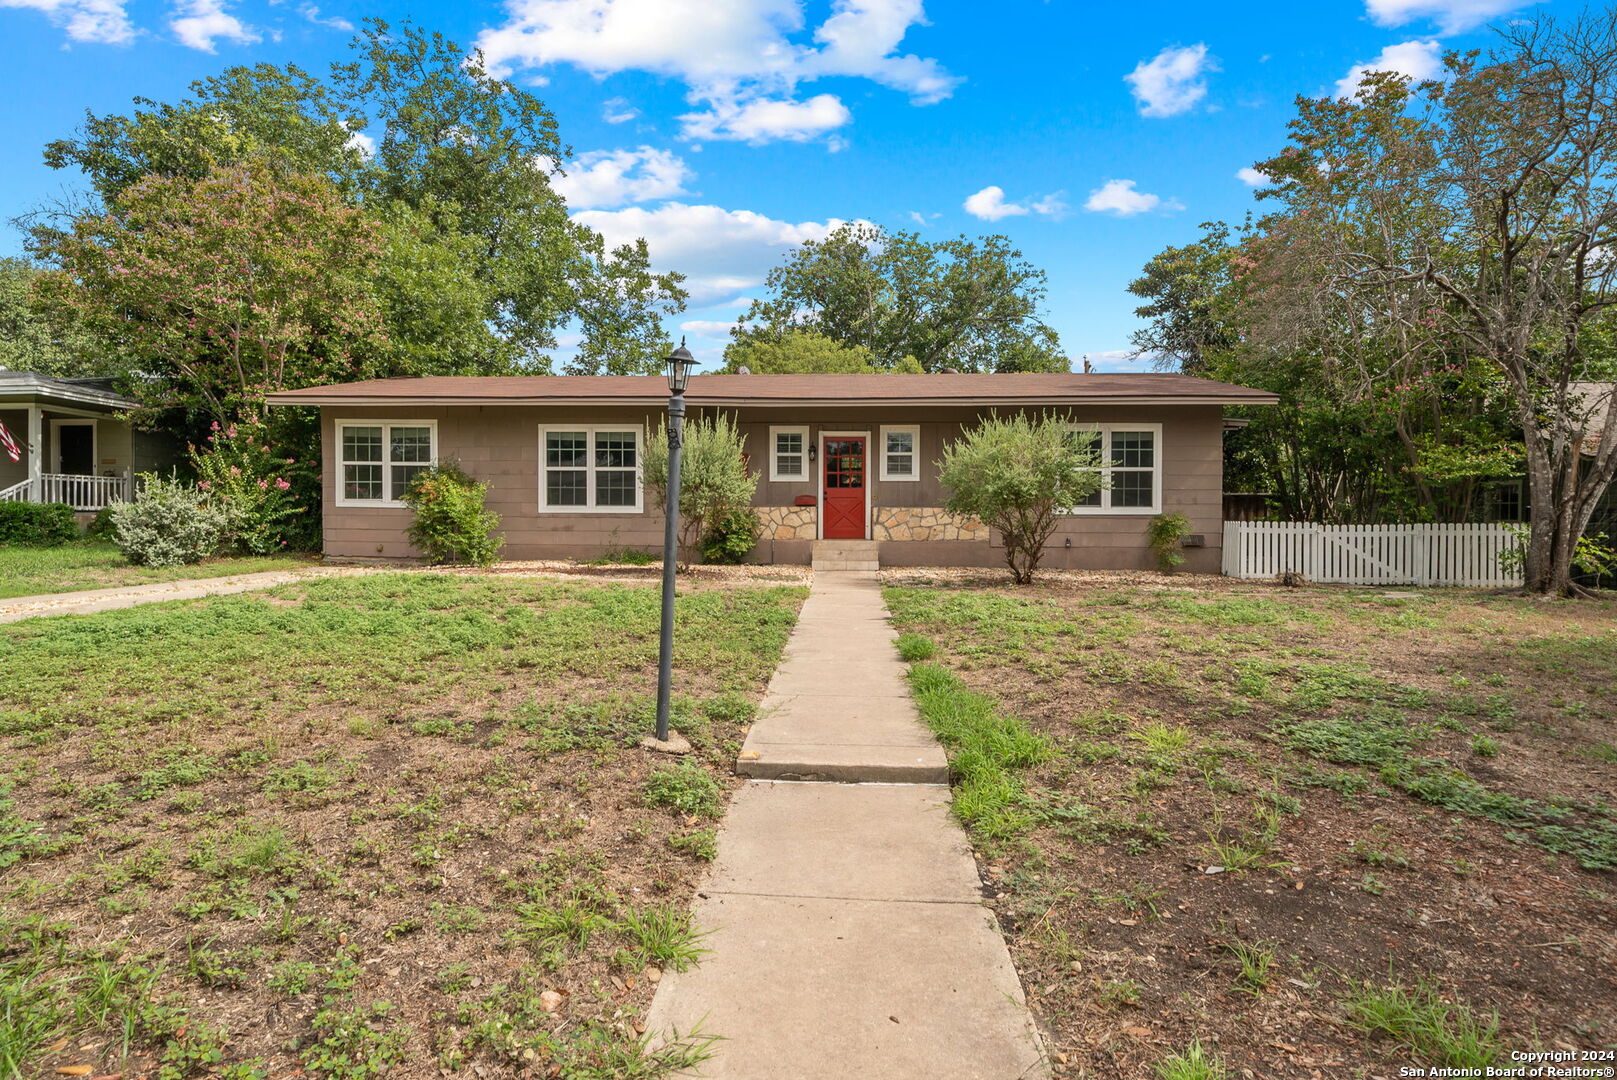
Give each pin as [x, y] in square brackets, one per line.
[849, 938]
[90, 601]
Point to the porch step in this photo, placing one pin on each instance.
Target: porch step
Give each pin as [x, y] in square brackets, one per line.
[845, 555]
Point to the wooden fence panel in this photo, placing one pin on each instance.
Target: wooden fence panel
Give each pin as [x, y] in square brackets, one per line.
[1453, 555]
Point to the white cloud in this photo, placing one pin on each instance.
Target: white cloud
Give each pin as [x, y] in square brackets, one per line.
[618, 111]
[741, 60]
[1172, 81]
[1114, 360]
[201, 23]
[1416, 59]
[358, 140]
[764, 120]
[1451, 16]
[708, 328]
[602, 179]
[103, 22]
[1252, 177]
[335, 22]
[1120, 199]
[989, 204]
[722, 252]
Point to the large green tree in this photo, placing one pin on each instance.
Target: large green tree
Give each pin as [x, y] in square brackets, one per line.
[35, 339]
[967, 305]
[1479, 214]
[456, 166]
[804, 352]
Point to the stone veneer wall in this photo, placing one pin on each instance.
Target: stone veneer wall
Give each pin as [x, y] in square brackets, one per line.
[787, 522]
[925, 523]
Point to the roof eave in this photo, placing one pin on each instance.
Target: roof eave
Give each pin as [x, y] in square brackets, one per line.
[754, 403]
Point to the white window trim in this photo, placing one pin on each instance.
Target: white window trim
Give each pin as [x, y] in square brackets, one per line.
[915, 453]
[775, 476]
[1106, 507]
[387, 473]
[589, 431]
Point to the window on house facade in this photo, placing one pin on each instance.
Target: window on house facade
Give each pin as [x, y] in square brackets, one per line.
[589, 469]
[379, 458]
[900, 452]
[1129, 457]
[788, 454]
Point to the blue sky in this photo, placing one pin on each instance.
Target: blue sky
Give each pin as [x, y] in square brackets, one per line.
[725, 131]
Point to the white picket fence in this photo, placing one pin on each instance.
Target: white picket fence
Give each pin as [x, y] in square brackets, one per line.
[1465, 555]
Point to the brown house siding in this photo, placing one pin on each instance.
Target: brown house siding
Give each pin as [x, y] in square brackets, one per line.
[500, 445]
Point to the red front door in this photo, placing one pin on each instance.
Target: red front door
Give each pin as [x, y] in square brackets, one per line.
[845, 488]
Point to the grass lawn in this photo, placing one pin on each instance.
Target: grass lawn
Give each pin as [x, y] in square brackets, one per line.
[1300, 832]
[394, 823]
[95, 564]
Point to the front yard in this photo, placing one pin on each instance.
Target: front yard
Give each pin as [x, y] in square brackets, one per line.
[96, 564]
[393, 823]
[1323, 832]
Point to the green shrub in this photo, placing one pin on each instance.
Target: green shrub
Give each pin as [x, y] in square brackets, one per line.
[1018, 474]
[170, 523]
[1166, 531]
[713, 477]
[37, 524]
[732, 537]
[239, 467]
[451, 523]
[100, 527]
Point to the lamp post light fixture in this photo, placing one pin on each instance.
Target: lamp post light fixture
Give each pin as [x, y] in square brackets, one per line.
[680, 363]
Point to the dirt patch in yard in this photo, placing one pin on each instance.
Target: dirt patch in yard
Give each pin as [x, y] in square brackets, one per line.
[1320, 832]
[394, 823]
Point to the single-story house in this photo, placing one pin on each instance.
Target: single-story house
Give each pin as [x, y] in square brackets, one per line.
[841, 459]
[75, 441]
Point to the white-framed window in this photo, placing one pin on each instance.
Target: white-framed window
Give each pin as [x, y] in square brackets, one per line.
[788, 454]
[377, 459]
[1130, 457]
[589, 469]
[901, 452]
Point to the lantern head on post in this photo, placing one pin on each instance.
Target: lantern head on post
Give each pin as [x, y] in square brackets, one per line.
[680, 362]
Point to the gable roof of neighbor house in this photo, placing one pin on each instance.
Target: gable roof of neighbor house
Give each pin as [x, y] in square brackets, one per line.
[1019, 388]
[22, 387]
[1597, 400]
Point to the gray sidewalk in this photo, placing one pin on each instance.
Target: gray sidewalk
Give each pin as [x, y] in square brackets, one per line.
[849, 936]
[89, 601]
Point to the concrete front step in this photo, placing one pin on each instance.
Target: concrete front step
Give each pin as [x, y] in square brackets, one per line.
[845, 555]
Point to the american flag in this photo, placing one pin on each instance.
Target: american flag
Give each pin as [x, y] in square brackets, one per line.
[13, 451]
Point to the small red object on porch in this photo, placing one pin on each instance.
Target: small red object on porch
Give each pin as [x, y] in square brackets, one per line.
[804, 500]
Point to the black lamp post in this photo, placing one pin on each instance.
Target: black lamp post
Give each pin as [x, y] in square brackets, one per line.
[680, 363]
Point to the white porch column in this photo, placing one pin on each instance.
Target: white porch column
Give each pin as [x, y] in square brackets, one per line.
[36, 446]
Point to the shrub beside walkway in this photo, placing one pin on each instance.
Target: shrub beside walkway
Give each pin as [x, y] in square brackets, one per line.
[849, 933]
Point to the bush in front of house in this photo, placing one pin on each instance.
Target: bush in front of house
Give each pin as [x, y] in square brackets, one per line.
[451, 524]
[1018, 474]
[240, 467]
[732, 537]
[37, 524]
[1166, 532]
[171, 522]
[713, 477]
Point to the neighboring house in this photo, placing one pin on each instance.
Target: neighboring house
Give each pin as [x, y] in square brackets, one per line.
[77, 444]
[840, 458]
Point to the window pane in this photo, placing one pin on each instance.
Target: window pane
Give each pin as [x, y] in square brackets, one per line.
[362, 444]
[1134, 449]
[410, 444]
[789, 465]
[1081, 439]
[1131, 488]
[363, 481]
[900, 442]
[614, 487]
[789, 442]
[566, 487]
[566, 449]
[402, 475]
[901, 464]
[614, 449]
[1092, 499]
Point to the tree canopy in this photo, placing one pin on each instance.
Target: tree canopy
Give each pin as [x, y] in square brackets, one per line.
[804, 352]
[967, 305]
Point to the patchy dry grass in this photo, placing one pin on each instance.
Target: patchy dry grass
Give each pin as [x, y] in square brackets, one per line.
[1287, 833]
[95, 564]
[393, 823]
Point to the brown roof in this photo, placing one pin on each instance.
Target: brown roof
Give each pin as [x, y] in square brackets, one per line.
[1021, 388]
[1596, 400]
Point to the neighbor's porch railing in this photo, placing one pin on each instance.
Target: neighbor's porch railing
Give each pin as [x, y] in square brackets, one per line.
[1465, 555]
[79, 492]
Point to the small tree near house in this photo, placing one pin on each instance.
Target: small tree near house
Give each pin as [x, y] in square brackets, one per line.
[1018, 474]
[713, 477]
